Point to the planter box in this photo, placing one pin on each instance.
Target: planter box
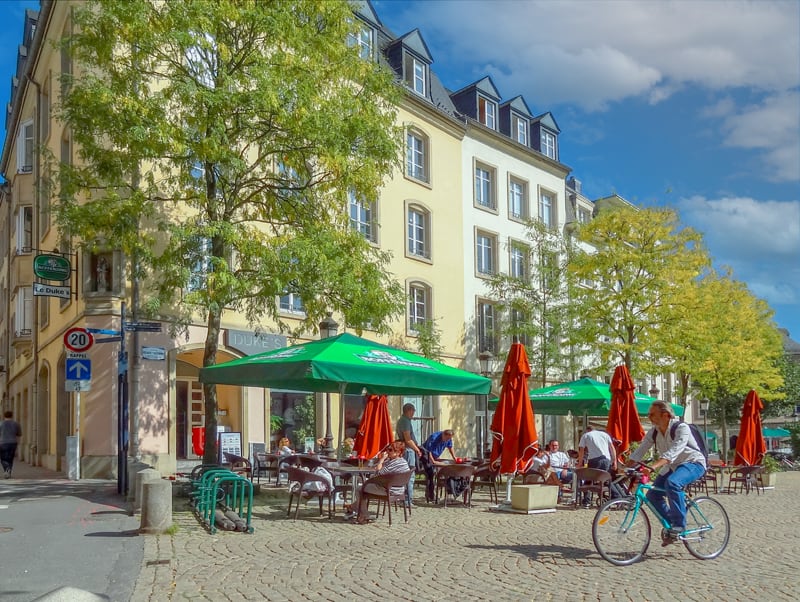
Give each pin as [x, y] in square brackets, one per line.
[534, 497]
[769, 478]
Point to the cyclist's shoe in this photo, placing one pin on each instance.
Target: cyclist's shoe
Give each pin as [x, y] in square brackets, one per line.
[669, 536]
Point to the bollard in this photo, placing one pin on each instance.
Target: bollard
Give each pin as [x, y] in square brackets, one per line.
[134, 466]
[143, 476]
[156, 507]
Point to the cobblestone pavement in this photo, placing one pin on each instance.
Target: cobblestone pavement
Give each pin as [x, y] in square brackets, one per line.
[468, 554]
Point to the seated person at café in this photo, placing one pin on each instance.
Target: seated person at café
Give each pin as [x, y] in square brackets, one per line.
[284, 447]
[539, 465]
[560, 463]
[433, 448]
[389, 461]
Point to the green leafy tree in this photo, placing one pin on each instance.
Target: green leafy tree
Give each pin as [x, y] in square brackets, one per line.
[429, 339]
[739, 349]
[219, 143]
[639, 264]
[790, 371]
[536, 301]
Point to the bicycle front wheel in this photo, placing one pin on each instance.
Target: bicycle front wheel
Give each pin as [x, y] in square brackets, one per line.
[707, 528]
[621, 531]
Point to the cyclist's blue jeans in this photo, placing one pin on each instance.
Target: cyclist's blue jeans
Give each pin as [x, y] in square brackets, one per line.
[673, 484]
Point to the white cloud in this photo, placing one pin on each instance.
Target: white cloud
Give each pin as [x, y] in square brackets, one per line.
[592, 53]
[760, 240]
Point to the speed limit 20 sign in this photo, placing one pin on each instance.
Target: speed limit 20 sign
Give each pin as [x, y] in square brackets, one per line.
[78, 339]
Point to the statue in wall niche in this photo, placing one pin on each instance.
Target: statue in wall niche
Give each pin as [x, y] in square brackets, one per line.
[102, 274]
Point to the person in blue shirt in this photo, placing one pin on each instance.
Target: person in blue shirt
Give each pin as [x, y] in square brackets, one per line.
[432, 449]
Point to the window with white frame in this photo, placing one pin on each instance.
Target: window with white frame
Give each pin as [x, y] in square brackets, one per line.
[419, 232]
[417, 155]
[25, 147]
[517, 199]
[201, 60]
[362, 38]
[584, 215]
[291, 303]
[484, 186]
[547, 208]
[419, 304]
[200, 260]
[416, 74]
[485, 253]
[487, 112]
[362, 216]
[518, 261]
[486, 327]
[519, 129]
[23, 315]
[548, 144]
[24, 229]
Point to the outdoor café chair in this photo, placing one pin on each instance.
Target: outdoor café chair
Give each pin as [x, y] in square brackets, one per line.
[296, 460]
[745, 478]
[455, 471]
[380, 487]
[265, 465]
[485, 477]
[592, 481]
[239, 465]
[298, 478]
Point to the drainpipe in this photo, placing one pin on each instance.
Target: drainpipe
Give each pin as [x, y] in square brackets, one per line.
[35, 301]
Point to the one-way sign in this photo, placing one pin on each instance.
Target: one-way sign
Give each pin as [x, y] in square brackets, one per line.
[79, 369]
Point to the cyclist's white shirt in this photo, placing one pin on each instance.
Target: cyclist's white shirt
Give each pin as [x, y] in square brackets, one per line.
[677, 451]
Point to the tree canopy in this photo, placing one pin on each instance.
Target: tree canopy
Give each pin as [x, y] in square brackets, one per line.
[221, 143]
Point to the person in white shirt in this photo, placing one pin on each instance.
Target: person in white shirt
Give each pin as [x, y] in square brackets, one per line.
[597, 449]
[559, 461]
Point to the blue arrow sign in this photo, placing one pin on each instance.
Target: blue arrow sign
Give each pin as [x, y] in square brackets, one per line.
[79, 369]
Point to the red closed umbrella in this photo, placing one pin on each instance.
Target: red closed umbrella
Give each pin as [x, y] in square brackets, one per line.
[375, 431]
[514, 438]
[623, 424]
[750, 445]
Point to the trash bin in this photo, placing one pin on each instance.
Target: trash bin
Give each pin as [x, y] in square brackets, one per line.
[198, 440]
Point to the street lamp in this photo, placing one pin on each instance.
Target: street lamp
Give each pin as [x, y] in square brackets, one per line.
[654, 391]
[485, 358]
[704, 408]
[328, 328]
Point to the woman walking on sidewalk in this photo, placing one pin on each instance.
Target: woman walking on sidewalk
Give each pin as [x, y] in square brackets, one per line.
[10, 433]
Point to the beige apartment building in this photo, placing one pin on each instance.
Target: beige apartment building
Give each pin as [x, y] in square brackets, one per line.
[427, 215]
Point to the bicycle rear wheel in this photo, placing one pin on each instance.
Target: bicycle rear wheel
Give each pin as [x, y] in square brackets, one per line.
[707, 528]
[621, 531]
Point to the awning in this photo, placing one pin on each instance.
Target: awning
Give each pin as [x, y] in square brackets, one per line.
[775, 433]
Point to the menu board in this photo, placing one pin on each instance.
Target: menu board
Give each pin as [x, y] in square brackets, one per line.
[230, 443]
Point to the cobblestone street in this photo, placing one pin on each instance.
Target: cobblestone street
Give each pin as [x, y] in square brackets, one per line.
[479, 555]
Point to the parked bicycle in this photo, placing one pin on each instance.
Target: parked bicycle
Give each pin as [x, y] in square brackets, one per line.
[621, 528]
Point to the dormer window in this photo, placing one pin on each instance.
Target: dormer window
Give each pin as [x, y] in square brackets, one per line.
[519, 129]
[416, 75]
[487, 112]
[548, 144]
[362, 38]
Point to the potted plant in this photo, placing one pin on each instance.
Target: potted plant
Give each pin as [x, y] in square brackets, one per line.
[771, 467]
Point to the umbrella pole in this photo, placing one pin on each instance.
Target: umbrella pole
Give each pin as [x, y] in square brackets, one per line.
[342, 387]
[509, 481]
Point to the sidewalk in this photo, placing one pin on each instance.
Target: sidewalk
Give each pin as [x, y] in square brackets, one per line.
[55, 532]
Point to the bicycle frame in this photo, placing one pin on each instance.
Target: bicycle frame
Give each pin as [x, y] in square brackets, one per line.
[640, 496]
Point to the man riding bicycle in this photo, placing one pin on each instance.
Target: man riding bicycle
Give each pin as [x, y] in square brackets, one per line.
[686, 465]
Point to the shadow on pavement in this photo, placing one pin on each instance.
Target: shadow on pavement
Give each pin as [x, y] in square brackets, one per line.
[533, 552]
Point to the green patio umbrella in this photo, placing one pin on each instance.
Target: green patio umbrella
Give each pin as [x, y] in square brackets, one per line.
[347, 364]
[584, 397]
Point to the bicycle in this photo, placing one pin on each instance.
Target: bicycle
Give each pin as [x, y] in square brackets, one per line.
[621, 528]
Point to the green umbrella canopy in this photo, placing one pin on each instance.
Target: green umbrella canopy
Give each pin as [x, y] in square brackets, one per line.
[584, 396]
[349, 364]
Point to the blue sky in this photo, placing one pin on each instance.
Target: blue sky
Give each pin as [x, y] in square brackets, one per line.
[692, 105]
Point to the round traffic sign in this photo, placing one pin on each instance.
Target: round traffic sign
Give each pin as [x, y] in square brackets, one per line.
[78, 339]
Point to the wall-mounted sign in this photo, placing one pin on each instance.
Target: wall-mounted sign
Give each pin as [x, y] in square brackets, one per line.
[251, 343]
[52, 267]
[48, 290]
[154, 353]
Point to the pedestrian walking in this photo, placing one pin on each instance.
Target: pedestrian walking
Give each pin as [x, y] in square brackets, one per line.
[10, 434]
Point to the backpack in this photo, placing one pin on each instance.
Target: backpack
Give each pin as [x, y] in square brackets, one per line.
[699, 439]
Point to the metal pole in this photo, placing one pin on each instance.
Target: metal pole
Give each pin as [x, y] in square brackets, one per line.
[78, 432]
[122, 408]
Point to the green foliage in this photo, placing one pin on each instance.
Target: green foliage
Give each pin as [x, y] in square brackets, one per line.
[218, 143]
[537, 306]
[790, 371]
[770, 464]
[305, 424]
[275, 423]
[429, 339]
[794, 438]
[640, 264]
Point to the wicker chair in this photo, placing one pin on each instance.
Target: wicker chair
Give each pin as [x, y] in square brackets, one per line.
[380, 488]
